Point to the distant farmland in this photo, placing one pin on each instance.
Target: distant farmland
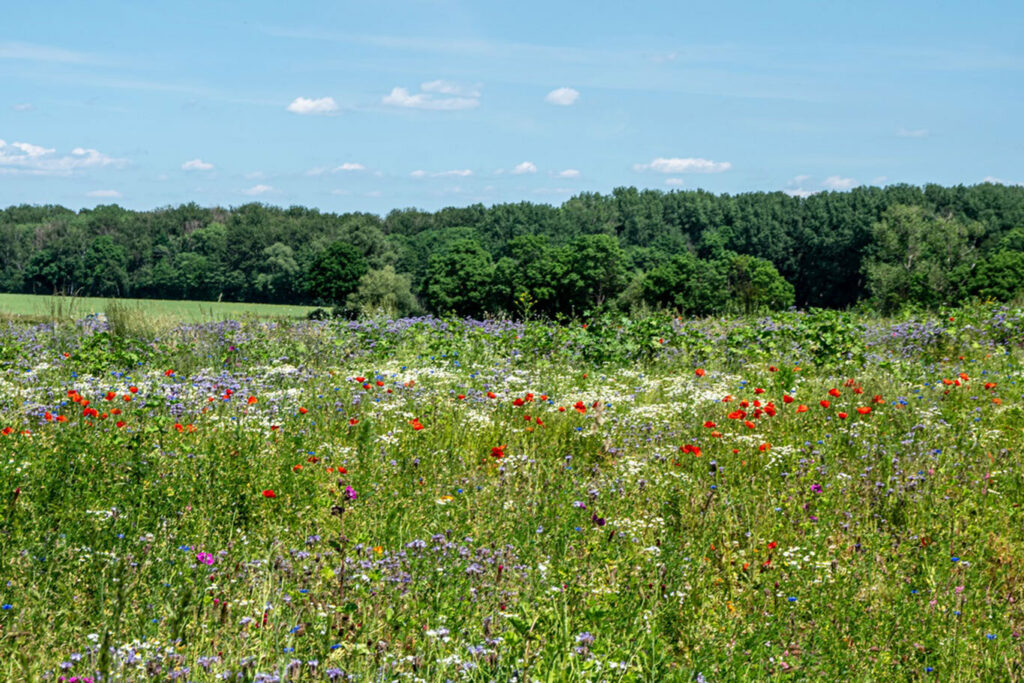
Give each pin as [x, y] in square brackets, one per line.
[33, 306]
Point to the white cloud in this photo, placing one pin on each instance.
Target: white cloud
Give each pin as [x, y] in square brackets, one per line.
[258, 190]
[401, 97]
[569, 173]
[322, 105]
[24, 157]
[563, 97]
[450, 88]
[675, 182]
[880, 180]
[525, 167]
[916, 133]
[454, 173]
[347, 166]
[688, 165]
[111, 194]
[1000, 181]
[24, 106]
[196, 165]
[795, 187]
[834, 182]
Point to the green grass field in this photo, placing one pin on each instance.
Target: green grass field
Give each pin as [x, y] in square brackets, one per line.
[44, 306]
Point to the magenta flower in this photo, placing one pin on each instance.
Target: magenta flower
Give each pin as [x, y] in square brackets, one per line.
[350, 493]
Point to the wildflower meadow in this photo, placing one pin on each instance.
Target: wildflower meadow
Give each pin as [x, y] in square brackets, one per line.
[806, 496]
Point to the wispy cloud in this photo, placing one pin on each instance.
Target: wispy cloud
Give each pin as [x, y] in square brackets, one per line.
[196, 165]
[568, 173]
[562, 97]
[674, 182]
[525, 167]
[681, 165]
[29, 159]
[435, 95]
[46, 53]
[320, 105]
[838, 183]
[105, 194]
[257, 190]
[23, 106]
[451, 88]
[454, 173]
[346, 167]
[912, 133]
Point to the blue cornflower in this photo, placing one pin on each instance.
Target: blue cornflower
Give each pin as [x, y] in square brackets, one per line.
[7, 606]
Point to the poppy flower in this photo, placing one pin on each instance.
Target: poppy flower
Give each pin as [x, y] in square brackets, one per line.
[749, 424]
[353, 422]
[360, 379]
[772, 368]
[764, 447]
[296, 468]
[709, 424]
[133, 390]
[787, 399]
[824, 404]
[772, 545]
[62, 418]
[878, 399]
[120, 424]
[491, 394]
[169, 373]
[801, 408]
[561, 409]
[498, 451]
[252, 399]
[835, 393]
[580, 408]
[700, 372]
[726, 399]
[737, 415]
[842, 416]
[269, 493]
[461, 397]
[517, 402]
[758, 390]
[415, 422]
[864, 410]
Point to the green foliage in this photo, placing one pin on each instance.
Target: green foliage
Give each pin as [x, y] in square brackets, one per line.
[1000, 276]
[919, 258]
[335, 273]
[385, 292]
[460, 279]
[901, 245]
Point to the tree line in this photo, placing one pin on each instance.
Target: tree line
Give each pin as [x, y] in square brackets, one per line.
[691, 251]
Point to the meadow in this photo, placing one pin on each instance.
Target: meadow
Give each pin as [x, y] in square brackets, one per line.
[46, 307]
[806, 496]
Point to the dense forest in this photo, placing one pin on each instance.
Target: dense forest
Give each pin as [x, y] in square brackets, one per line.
[692, 251]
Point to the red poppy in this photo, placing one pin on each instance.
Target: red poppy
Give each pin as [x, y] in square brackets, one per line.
[787, 399]
[415, 422]
[580, 408]
[878, 399]
[498, 451]
[252, 399]
[491, 394]
[772, 545]
[842, 416]
[737, 415]
[360, 379]
[517, 402]
[749, 424]
[461, 397]
[353, 422]
[824, 404]
[801, 408]
[700, 372]
[758, 390]
[834, 392]
[120, 424]
[269, 493]
[864, 410]
[302, 411]
[709, 424]
[764, 447]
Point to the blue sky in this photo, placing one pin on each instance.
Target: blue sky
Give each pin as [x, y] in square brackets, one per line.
[373, 106]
